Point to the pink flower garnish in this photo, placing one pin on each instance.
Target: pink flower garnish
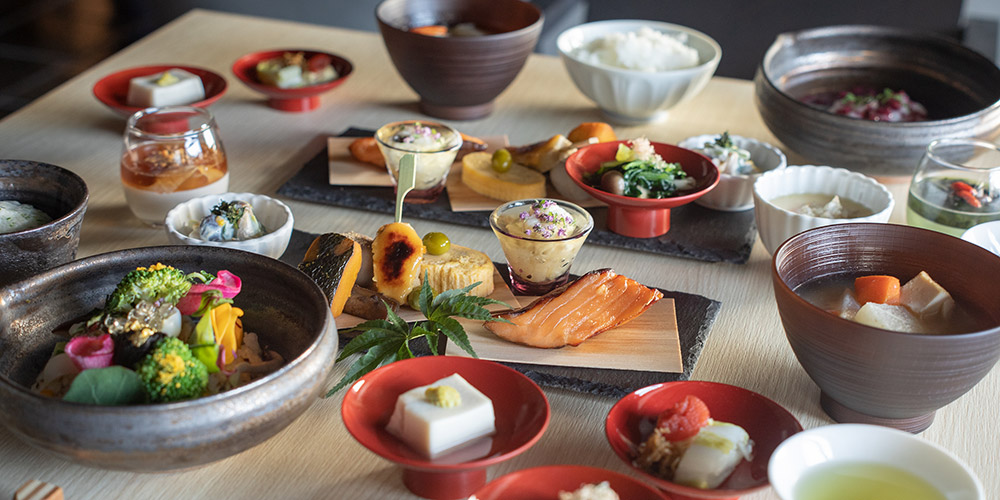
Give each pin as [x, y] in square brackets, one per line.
[225, 282]
[90, 352]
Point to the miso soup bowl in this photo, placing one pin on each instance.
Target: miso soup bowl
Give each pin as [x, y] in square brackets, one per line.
[875, 376]
[283, 306]
[806, 452]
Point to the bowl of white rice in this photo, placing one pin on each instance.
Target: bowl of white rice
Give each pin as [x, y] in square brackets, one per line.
[636, 70]
[41, 210]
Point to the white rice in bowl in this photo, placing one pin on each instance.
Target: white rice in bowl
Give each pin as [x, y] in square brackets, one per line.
[646, 50]
[16, 216]
[600, 491]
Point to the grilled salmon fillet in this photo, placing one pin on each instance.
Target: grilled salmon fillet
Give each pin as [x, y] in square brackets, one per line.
[597, 301]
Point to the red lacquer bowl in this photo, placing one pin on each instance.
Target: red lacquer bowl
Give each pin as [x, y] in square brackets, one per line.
[295, 100]
[112, 90]
[631, 421]
[545, 483]
[520, 407]
[642, 217]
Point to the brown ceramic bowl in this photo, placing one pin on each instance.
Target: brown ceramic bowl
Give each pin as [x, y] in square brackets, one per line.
[282, 305]
[959, 87]
[54, 190]
[875, 376]
[458, 78]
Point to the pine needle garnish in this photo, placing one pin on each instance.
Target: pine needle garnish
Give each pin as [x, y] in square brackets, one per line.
[388, 340]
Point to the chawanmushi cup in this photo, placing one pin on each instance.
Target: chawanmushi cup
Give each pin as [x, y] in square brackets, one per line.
[433, 146]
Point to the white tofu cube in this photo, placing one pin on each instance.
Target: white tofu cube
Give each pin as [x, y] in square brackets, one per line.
[889, 317]
[713, 455]
[926, 298]
[433, 430]
[147, 91]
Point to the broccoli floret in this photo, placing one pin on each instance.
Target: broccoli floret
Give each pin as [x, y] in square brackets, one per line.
[149, 284]
[171, 373]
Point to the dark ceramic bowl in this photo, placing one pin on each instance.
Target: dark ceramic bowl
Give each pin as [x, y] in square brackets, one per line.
[54, 190]
[294, 99]
[112, 90]
[458, 78]
[875, 376]
[959, 87]
[282, 305]
[642, 217]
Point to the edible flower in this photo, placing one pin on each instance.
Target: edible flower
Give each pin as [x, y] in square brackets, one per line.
[225, 283]
[90, 352]
[228, 330]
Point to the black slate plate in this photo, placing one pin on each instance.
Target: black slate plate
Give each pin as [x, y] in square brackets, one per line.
[695, 232]
[695, 316]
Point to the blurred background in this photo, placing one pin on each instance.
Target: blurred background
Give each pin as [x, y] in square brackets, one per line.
[46, 42]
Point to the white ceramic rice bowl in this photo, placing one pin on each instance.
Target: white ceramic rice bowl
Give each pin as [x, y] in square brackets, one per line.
[274, 215]
[734, 193]
[630, 96]
[775, 225]
[871, 444]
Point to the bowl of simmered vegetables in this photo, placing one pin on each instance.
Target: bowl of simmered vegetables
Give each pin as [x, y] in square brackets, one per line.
[161, 358]
[891, 322]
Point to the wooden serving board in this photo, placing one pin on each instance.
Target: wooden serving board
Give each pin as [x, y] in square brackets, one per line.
[650, 343]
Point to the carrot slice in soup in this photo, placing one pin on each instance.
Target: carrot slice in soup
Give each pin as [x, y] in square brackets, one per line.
[879, 289]
[432, 30]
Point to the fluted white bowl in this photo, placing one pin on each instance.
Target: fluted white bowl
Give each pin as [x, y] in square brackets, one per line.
[775, 224]
[734, 193]
[859, 443]
[986, 235]
[274, 215]
[631, 96]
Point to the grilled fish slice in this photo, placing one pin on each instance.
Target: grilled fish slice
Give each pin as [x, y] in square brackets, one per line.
[597, 301]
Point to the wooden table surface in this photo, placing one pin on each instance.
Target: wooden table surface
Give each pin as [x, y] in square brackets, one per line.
[315, 457]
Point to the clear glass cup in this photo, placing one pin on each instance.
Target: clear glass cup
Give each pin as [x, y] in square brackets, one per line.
[539, 251]
[956, 186]
[433, 146]
[170, 155]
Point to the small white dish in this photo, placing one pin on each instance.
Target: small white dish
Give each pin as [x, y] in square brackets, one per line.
[860, 443]
[274, 215]
[734, 193]
[630, 96]
[986, 235]
[775, 224]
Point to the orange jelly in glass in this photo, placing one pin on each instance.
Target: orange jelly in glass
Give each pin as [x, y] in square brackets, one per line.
[171, 155]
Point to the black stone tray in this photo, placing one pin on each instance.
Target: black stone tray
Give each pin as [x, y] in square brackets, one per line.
[695, 232]
[695, 316]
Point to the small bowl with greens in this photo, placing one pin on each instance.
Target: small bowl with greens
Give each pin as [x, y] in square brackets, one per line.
[741, 160]
[641, 181]
[244, 221]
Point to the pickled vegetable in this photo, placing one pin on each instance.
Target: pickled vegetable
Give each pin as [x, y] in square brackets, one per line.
[437, 243]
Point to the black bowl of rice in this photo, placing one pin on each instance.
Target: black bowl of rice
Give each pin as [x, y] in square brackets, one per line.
[41, 210]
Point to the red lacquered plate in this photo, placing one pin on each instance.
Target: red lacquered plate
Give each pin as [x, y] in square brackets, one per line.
[632, 419]
[112, 90]
[297, 99]
[545, 483]
[642, 217]
[520, 408]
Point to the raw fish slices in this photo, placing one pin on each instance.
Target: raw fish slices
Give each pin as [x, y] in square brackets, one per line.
[597, 301]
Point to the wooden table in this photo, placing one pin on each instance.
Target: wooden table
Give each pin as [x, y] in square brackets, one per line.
[315, 457]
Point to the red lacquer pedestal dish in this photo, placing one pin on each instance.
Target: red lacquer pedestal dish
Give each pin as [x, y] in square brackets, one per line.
[296, 99]
[642, 217]
[520, 407]
[112, 90]
[545, 483]
[631, 421]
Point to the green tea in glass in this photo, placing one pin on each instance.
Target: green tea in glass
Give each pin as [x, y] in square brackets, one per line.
[956, 186]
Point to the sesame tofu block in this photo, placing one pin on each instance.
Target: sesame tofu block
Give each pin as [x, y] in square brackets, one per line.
[170, 88]
[927, 299]
[431, 429]
[889, 317]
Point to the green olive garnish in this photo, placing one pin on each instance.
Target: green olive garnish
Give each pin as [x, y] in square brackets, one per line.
[501, 160]
[436, 243]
